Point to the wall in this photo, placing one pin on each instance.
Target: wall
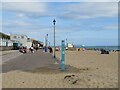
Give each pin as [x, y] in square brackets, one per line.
[29, 44]
[3, 48]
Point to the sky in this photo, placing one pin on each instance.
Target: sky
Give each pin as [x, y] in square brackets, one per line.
[82, 23]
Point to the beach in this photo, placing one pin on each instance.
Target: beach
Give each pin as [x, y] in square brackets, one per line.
[90, 70]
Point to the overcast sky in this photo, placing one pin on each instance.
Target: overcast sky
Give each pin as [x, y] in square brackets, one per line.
[93, 23]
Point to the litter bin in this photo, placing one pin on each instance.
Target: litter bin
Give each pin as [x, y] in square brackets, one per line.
[46, 49]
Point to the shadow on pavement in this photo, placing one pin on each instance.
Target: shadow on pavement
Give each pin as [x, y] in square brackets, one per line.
[38, 62]
[30, 61]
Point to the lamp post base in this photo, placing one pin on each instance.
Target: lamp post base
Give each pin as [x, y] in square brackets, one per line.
[63, 69]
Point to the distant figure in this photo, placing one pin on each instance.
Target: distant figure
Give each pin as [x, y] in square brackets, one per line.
[25, 50]
[50, 49]
[32, 49]
[21, 50]
[103, 51]
[36, 48]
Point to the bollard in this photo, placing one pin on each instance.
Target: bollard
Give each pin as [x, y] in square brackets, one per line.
[46, 49]
[63, 55]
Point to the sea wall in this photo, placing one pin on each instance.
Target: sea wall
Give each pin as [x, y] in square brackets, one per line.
[3, 48]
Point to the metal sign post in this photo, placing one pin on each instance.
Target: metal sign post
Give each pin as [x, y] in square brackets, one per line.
[63, 55]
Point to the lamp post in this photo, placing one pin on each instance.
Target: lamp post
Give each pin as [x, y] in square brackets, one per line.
[46, 42]
[49, 43]
[54, 37]
[66, 42]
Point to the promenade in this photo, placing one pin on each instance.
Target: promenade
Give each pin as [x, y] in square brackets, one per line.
[29, 61]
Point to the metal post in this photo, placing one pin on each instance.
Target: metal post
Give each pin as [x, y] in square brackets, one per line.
[46, 42]
[66, 42]
[49, 43]
[63, 55]
[54, 42]
[54, 38]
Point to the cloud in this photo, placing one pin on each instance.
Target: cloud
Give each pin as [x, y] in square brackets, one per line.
[20, 15]
[25, 7]
[65, 11]
[89, 10]
[104, 27]
[20, 0]
[60, 0]
[111, 27]
[16, 24]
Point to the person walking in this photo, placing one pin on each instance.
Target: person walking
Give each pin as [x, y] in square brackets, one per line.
[36, 48]
[50, 49]
[25, 50]
[32, 49]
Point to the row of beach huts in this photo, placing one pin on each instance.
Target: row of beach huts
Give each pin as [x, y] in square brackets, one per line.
[17, 40]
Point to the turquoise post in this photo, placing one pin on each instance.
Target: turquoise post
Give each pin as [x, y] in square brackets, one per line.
[63, 55]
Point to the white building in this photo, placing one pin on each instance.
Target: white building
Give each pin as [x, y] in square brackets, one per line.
[29, 42]
[20, 38]
[70, 45]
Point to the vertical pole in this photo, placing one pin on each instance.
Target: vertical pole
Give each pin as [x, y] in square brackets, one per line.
[54, 41]
[66, 42]
[63, 55]
[47, 43]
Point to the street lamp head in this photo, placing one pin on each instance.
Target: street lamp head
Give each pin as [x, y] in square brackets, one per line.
[54, 21]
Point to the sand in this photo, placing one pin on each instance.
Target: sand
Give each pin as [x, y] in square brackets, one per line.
[94, 70]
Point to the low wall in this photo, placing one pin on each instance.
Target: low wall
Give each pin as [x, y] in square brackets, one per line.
[3, 48]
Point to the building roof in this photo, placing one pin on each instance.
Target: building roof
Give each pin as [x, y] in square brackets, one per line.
[33, 40]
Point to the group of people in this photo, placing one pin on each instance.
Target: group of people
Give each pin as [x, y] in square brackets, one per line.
[31, 49]
[23, 49]
[103, 51]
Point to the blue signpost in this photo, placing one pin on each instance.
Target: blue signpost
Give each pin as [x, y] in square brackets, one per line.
[63, 55]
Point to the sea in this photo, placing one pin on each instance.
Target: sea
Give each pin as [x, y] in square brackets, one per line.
[100, 47]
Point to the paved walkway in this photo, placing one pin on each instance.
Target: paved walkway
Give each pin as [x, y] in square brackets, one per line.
[9, 56]
[7, 52]
[29, 61]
